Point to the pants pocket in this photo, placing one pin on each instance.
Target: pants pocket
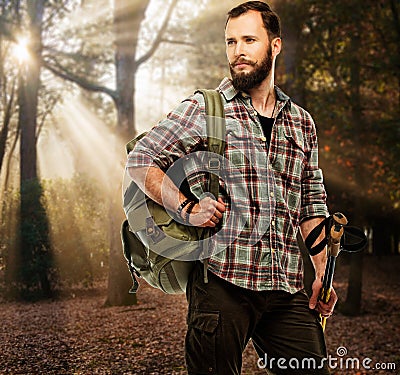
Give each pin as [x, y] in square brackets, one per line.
[200, 342]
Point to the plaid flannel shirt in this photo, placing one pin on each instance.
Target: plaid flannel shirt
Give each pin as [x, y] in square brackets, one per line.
[268, 190]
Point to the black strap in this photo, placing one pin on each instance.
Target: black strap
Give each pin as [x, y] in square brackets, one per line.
[169, 271]
[127, 236]
[353, 239]
[315, 233]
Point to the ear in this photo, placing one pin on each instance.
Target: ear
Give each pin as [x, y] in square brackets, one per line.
[276, 46]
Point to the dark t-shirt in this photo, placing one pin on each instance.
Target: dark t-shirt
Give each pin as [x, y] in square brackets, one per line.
[266, 124]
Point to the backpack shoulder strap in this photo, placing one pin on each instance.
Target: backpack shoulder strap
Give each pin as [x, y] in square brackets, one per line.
[216, 130]
[213, 100]
[216, 133]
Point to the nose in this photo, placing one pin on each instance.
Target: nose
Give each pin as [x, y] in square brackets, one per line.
[239, 49]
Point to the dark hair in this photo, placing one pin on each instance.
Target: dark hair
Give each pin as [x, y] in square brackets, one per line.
[270, 18]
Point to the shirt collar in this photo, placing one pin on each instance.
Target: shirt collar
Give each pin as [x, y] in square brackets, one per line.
[229, 92]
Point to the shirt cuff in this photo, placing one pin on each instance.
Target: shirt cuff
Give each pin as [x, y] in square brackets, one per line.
[315, 210]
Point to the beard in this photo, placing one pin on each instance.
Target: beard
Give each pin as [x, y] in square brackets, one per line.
[243, 81]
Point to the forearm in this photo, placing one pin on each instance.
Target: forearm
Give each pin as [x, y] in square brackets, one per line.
[161, 189]
[157, 186]
[319, 260]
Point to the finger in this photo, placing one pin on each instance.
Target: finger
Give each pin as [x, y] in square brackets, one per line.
[334, 296]
[313, 302]
[211, 224]
[323, 310]
[220, 208]
[326, 309]
[209, 211]
[221, 205]
[330, 305]
[314, 297]
[326, 315]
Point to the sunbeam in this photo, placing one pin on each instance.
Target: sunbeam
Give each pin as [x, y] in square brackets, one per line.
[55, 160]
[93, 145]
[82, 161]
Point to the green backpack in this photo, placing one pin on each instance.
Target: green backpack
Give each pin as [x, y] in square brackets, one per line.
[150, 230]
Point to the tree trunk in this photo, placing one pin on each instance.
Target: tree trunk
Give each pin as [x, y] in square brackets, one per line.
[128, 15]
[34, 257]
[293, 13]
[381, 238]
[119, 280]
[27, 101]
[395, 10]
[352, 305]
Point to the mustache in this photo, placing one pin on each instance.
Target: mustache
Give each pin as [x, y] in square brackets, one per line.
[241, 60]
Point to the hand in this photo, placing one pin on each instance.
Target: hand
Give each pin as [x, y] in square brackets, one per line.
[325, 309]
[207, 213]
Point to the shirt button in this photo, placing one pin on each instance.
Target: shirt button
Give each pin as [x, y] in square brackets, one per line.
[272, 223]
[271, 194]
[263, 139]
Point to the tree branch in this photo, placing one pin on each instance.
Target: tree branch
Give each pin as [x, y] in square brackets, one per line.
[81, 82]
[10, 155]
[159, 37]
[6, 123]
[180, 42]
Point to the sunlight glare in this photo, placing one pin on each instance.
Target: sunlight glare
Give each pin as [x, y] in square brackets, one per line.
[21, 50]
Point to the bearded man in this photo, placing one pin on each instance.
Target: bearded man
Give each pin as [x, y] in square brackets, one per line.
[272, 188]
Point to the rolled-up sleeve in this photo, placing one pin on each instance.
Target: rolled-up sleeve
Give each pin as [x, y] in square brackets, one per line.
[177, 135]
[313, 200]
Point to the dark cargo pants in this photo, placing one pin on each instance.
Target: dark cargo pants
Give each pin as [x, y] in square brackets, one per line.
[223, 317]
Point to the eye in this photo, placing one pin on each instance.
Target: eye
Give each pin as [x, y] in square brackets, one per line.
[230, 42]
[250, 40]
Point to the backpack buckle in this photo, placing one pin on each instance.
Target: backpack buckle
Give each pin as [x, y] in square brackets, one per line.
[153, 231]
[214, 164]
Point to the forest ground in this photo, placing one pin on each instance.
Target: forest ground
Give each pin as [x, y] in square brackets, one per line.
[78, 335]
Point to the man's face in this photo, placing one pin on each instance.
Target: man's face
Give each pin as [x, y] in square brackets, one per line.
[249, 50]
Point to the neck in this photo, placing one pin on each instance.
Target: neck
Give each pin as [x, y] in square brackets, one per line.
[263, 96]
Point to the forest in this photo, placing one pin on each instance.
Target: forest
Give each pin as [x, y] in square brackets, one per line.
[80, 78]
